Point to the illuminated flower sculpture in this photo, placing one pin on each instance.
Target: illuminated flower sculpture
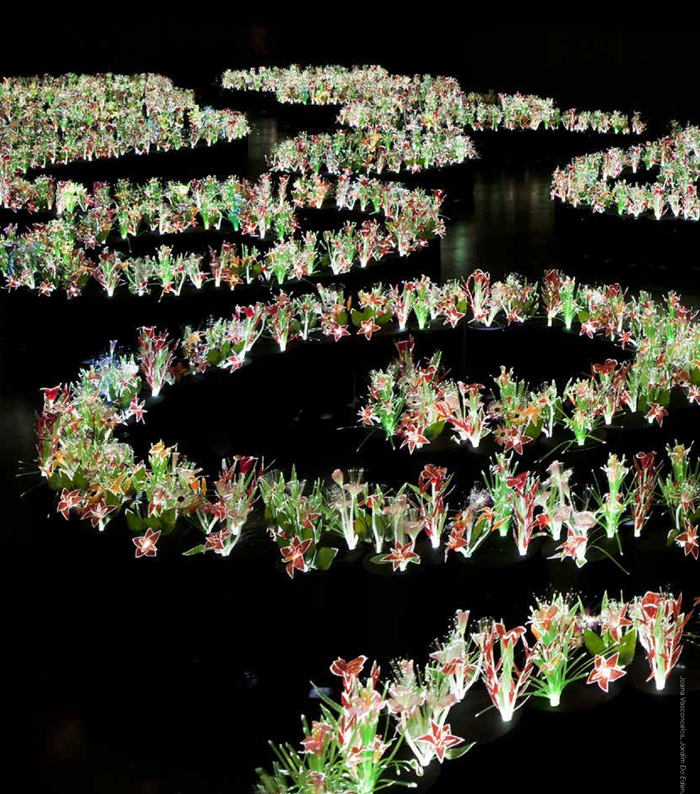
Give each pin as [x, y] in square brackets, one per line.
[660, 625]
[353, 744]
[557, 654]
[506, 681]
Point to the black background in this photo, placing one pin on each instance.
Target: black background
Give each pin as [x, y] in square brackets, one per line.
[170, 674]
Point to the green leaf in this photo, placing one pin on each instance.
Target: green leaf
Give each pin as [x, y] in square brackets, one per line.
[324, 558]
[168, 519]
[214, 357]
[434, 430]
[458, 752]
[356, 317]
[627, 646]
[379, 560]
[594, 643]
[134, 521]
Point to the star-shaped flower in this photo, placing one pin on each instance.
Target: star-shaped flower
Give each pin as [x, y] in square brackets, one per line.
[293, 556]
[656, 412]
[605, 671]
[400, 556]
[146, 544]
[688, 540]
[440, 739]
[368, 327]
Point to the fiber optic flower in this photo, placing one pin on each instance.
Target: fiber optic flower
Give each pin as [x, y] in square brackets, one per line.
[348, 670]
[367, 328]
[688, 540]
[440, 739]
[504, 680]
[656, 413]
[401, 555]
[293, 556]
[605, 671]
[613, 620]
[314, 744]
[660, 625]
[146, 544]
[68, 501]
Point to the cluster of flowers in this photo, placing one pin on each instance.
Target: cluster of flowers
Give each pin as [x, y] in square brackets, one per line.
[403, 122]
[371, 98]
[52, 255]
[374, 149]
[381, 734]
[302, 517]
[49, 120]
[588, 180]
[80, 456]
[415, 402]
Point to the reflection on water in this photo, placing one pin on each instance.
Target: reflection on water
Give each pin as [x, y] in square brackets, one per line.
[500, 217]
[507, 222]
[264, 135]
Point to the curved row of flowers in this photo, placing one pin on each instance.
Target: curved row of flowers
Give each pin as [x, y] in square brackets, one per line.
[398, 122]
[384, 732]
[51, 120]
[54, 255]
[98, 475]
[371, 97]
[590, 180]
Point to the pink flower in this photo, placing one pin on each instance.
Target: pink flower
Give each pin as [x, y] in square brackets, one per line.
[136, 409]
[233, 363]
[146, 544]
[314, 744]
[605, 671]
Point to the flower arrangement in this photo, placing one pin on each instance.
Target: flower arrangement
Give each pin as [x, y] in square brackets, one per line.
[357, 741]
[373, 100]
[82, 456]
[55, 255]
[589, 180]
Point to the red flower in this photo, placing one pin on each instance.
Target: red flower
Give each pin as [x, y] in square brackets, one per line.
[68, 500]
[216, 540]
[689, 540]
[293, 556]
[413, 437]
[368, 327]
[349, 669]
[400, 555]
[146, 544]
[605, 671]
[440, 739]
[51, 393]
[513, 439]
[656, 412]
